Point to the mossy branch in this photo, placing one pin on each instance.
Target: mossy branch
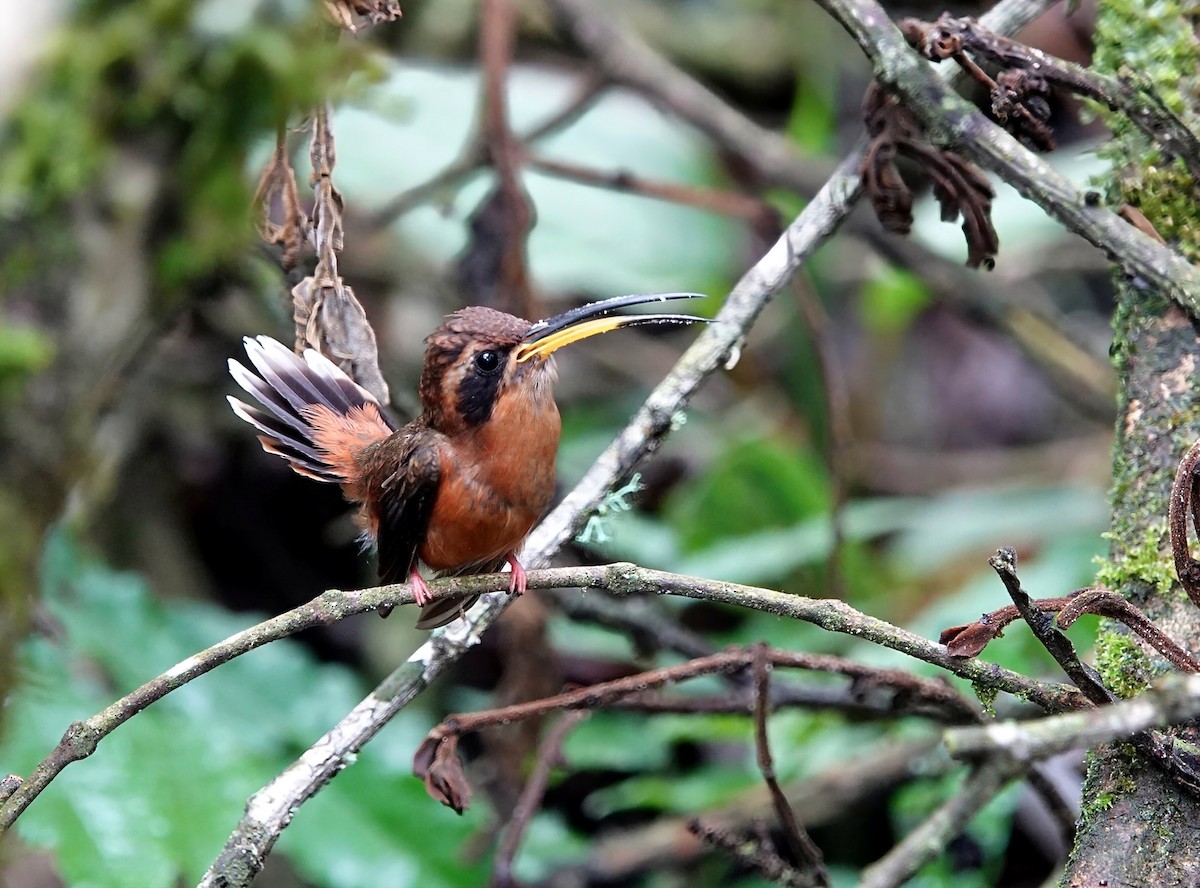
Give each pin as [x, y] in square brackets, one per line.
[82, 738]
[950, 120]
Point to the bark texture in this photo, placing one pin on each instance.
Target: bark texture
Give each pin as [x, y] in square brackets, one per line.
[1139, 826]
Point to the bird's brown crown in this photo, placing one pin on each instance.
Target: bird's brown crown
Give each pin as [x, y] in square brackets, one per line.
[466, 359]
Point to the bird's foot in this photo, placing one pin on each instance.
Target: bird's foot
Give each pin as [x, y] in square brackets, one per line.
[517, 579]
[421, 594]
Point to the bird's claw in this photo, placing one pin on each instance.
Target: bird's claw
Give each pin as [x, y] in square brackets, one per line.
[517, 579]
[421, 594]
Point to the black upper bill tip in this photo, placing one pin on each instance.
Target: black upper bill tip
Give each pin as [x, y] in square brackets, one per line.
[604, 307]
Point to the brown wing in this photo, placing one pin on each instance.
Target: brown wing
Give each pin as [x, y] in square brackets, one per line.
[410, 470]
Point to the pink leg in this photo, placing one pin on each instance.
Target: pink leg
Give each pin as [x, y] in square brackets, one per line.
[516, 581]
[421, 594]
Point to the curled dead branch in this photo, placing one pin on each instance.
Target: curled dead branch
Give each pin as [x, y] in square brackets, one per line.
[970, 639]
[960, 188]
[1027, 74]
[1183, 501]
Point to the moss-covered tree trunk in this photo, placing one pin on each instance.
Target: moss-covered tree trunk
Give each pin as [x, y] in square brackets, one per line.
[1139, 827]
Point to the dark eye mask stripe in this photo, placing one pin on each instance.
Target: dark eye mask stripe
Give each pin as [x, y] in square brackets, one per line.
[477, 392]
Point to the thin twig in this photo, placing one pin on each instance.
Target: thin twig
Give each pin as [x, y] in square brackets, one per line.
[474, 158]
[903, 694]
[619, 856]
[494, 270]
[969, 639]
[806, 854]
[642, 620]
[1106, 603]
[753, 852]
[1061, 808]
[597, 696]
[531, 797]
[1004, 562]
[626, 60]
[850, 701]
[82, 738]
[609, 693]
[437, 762]
[727, 203]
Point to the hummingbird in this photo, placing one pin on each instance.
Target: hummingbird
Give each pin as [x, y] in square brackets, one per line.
[460, 487]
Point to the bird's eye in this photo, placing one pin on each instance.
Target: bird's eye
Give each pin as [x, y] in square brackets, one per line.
[487, 362]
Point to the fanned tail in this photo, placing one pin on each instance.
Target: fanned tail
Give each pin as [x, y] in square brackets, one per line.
[314, 415]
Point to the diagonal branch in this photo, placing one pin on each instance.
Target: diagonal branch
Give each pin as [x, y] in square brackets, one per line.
[951, 120]
[950, 36]
[928, 840]
[531, 797]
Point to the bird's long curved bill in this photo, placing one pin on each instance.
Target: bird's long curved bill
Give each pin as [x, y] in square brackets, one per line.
[549, 335]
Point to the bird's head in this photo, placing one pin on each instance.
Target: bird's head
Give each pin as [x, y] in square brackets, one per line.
[479, 354]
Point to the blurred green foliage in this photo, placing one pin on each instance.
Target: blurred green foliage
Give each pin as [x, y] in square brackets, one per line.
[24, 351]
[892, 300]
[987, 834]
[197, 82]
[156, 801]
